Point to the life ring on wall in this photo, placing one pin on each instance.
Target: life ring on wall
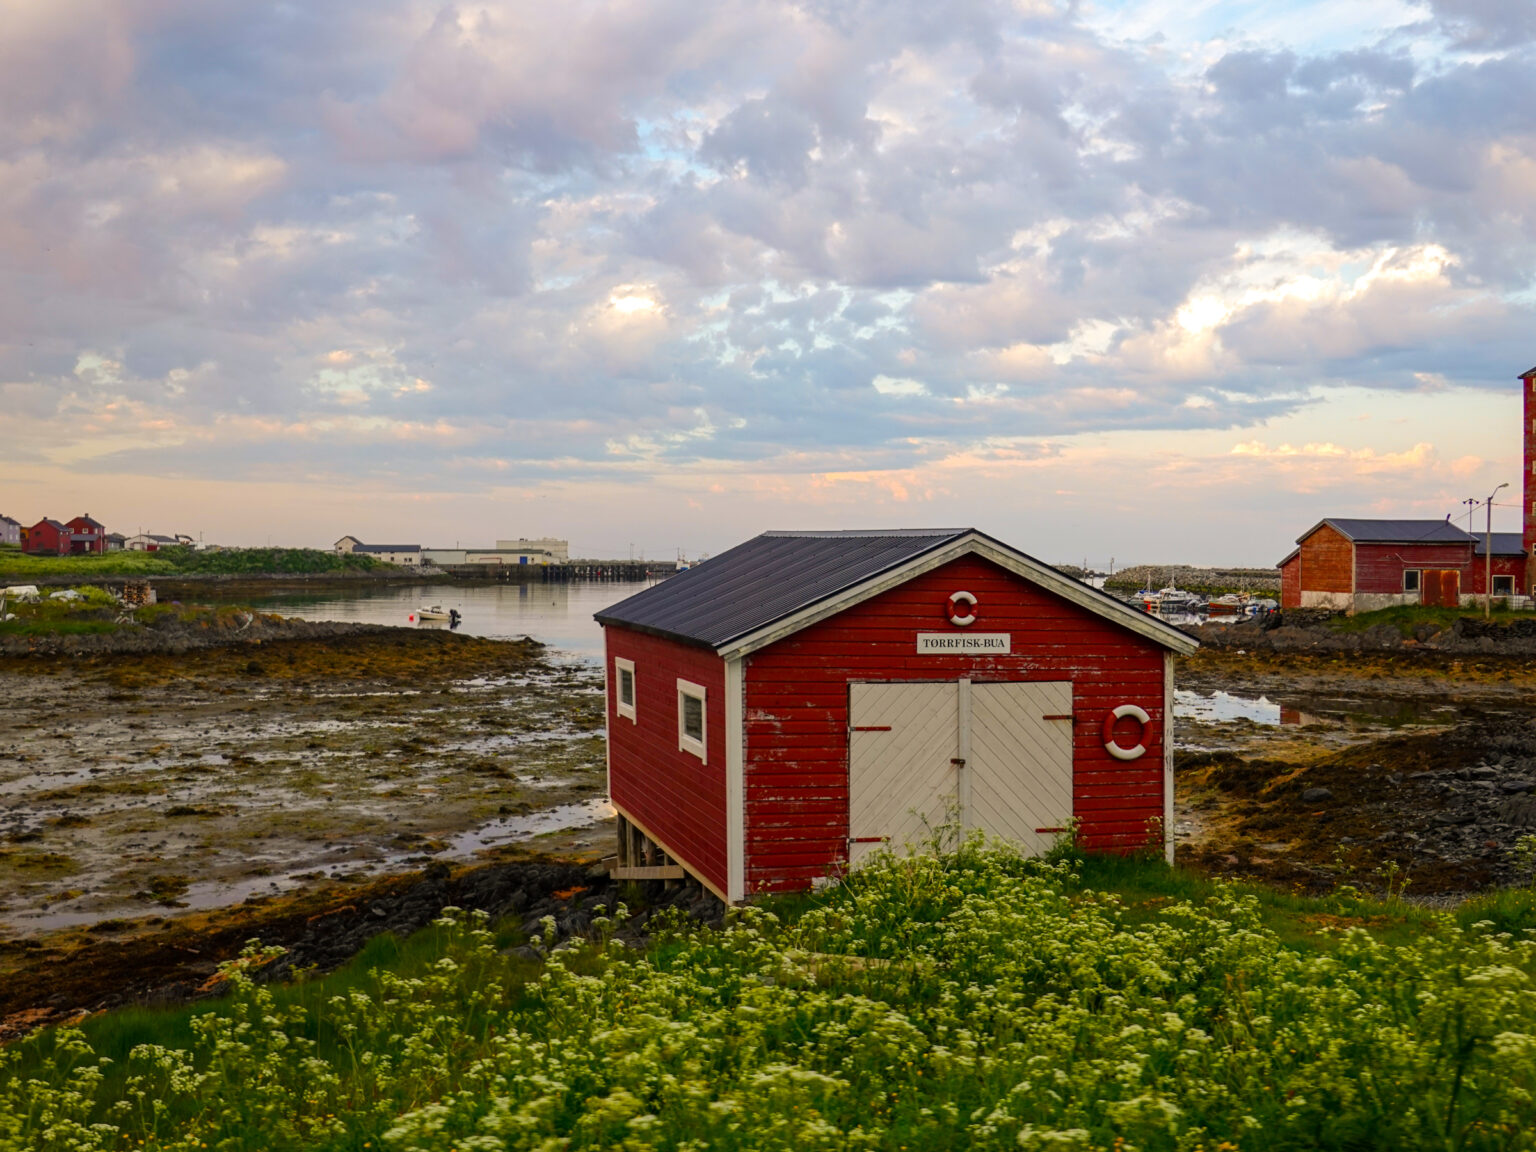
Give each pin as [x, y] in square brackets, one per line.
[961, 602]
[1120, 713]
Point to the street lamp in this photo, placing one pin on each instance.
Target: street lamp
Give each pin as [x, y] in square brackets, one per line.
[1488, 558]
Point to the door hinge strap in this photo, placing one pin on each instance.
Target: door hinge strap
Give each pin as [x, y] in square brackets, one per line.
[871, 728]
[868, 839]
[1061, 716]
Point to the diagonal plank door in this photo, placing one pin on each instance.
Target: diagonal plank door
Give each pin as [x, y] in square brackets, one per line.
[900, 772]
[1021, 763]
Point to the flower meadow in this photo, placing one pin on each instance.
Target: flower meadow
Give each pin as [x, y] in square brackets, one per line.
[967, 1000]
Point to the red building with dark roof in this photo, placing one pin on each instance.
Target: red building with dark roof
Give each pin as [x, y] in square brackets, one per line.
[781, 710]
[87, 535]
[46, 538]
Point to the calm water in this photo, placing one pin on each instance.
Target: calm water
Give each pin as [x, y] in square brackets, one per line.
[560, 615]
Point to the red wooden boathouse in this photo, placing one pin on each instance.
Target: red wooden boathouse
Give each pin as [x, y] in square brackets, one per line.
[782, 709]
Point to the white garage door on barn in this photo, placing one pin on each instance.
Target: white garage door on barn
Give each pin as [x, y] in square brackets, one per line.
[998, 754]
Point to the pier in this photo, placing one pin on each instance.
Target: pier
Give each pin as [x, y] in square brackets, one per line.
[617, 571]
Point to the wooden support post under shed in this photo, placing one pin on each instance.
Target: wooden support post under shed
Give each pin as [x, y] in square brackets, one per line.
[641, 858]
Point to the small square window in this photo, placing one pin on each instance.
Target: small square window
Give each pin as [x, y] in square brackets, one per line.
[1410, 579]
[1503, 585]
[691, 718]
[624, 687]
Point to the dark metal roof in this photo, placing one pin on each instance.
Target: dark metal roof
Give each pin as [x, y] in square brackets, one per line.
[1393, 531]
[1504, 544]
[737, 597]
[387, 548]
[767, 578]
[1528, 375]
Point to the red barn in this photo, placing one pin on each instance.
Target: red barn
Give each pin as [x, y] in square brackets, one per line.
[788, 706]
[46, 538]
[87, 535]
[1362, 565]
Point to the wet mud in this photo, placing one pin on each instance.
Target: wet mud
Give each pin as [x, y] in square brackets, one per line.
[1411, 771]
[156, 782]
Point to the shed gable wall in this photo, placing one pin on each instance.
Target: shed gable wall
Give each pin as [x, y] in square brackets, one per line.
[1327, 562]
[1290, 582]
[672, 794]
[796, 721]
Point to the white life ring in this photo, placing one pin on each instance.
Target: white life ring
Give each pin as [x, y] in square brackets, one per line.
[1120, 713]
[953, 608]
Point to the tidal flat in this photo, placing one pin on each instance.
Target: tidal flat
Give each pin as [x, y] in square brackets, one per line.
[138, 785]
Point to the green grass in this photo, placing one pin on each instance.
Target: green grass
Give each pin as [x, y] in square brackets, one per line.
[972, 1000]
[98, 612]
[1407, 617]
[17, 568]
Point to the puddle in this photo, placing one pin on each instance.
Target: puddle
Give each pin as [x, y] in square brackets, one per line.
[1219, 707]
[511, 829]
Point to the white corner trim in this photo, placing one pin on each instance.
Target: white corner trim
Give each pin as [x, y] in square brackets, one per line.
[620, 666]
[1168, 756]
[735, 782]
[686, 743]
[971, 544]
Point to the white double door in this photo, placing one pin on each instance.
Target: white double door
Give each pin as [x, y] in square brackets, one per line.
[996, 756]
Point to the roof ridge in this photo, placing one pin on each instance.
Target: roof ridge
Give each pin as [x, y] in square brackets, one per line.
[856, 533]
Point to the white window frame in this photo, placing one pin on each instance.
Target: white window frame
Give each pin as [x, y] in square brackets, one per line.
[685, 742]
[621, 666]
[1418, 580]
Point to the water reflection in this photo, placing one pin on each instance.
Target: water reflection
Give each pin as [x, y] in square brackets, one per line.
[559, 615]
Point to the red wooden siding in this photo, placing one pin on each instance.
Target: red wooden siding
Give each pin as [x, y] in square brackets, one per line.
[796, 762]
[1379, 567]
[1290, 582]
[1476, 580]
[1327, 561]
[674, 796]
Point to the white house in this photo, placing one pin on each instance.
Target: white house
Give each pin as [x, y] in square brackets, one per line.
[10, 531]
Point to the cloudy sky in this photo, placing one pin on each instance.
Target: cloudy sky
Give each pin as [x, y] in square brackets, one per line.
[1151, 279]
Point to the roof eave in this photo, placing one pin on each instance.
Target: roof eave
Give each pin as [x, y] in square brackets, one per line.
[979, 543]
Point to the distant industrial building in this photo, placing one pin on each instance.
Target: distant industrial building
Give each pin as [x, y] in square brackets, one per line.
[544, 550]
[405, 555]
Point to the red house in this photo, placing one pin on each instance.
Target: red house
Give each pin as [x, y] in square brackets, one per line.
[87, 535]
[779, 711]
[1362, 565]
[45, 538]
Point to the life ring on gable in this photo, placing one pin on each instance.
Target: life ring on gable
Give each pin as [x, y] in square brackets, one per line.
[1120, 713]
[961, 609]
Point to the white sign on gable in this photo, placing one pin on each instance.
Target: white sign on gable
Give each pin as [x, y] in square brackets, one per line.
[964, 643]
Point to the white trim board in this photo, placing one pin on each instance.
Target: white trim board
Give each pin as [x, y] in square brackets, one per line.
[971, 544]
[735, 783]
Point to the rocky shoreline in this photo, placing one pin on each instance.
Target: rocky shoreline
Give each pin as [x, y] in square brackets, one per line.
[175, 637]
[1303, 631]
[176, 961]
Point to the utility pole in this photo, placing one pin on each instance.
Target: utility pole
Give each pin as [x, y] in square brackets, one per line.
[1488, 558]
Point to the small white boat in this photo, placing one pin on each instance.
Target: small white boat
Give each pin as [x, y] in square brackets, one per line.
[435, 612]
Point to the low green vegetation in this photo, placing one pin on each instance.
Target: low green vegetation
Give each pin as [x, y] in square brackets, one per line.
[20, 568]
[968, 1000]
[95, 611]
[264, 561]
[17, 568]
[1411, 618]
